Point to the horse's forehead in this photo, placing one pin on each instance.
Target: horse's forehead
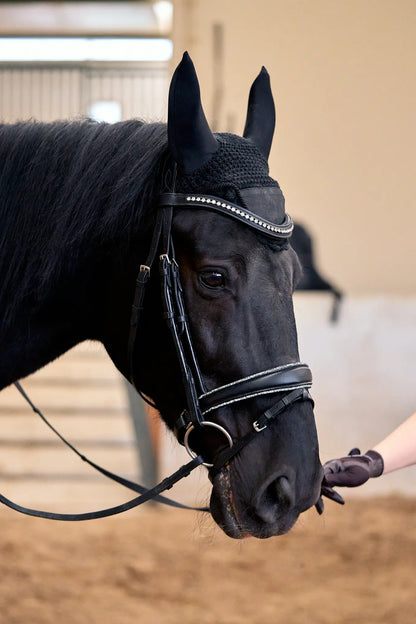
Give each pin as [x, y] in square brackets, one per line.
[214, 236]
[211, 233]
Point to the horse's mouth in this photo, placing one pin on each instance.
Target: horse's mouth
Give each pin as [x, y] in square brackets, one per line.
[222, 506]
[241, 524]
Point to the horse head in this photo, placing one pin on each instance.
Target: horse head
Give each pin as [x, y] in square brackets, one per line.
[237, 270]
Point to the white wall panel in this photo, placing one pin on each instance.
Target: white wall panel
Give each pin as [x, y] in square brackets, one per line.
[50, 91]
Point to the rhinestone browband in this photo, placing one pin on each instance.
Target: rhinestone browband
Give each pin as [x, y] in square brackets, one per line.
[283, 230]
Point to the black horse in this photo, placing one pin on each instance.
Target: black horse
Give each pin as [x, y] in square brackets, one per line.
[78, 211]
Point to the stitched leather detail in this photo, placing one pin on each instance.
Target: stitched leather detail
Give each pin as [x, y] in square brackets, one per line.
[280, 379]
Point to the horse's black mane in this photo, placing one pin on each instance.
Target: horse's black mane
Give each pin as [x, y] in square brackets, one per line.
[66, 187]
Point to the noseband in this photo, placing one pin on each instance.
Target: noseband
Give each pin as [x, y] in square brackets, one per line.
[290, 381]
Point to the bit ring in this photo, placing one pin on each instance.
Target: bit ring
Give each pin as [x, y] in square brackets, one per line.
[205, 423]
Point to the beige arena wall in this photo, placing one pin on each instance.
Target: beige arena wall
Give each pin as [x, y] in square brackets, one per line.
[343, 76]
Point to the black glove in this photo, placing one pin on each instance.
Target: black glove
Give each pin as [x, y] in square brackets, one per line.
[353, 470]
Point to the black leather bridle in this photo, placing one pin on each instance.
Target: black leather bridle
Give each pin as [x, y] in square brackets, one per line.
[290, 381]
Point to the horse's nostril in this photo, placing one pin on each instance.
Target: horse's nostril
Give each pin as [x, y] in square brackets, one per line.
[284, 492]
[275, 500]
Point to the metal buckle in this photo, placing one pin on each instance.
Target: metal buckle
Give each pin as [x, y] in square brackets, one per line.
[258, 427]
[143, 276]
[205, 423]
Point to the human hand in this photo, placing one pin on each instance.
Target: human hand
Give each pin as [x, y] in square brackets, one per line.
[353, 470]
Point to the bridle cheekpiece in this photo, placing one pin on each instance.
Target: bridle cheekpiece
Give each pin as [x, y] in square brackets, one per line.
[291, 381]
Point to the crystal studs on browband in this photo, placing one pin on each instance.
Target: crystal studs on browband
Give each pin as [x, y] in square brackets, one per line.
[282, 230]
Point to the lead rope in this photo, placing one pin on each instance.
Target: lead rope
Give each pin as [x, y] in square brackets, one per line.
[146, 494]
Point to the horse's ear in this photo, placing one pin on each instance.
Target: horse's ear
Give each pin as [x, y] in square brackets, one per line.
[190, 139]
[261, 115]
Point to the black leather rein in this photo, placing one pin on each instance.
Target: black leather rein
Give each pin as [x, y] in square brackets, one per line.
[146, 494]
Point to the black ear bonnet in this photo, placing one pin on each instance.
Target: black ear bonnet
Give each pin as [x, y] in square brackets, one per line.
[238, 173]
[225, 166]
[237, 164]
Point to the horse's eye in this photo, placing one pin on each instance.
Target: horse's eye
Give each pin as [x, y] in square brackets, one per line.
[212, 279]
